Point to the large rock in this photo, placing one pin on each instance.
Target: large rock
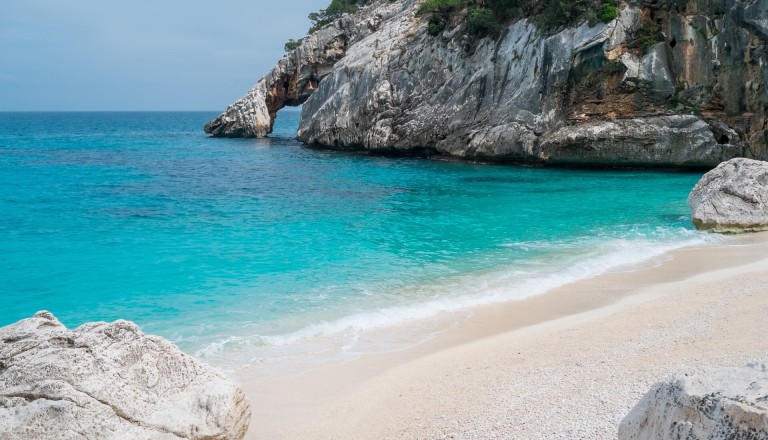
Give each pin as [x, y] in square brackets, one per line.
[290, 83]
[295, 77]
[109, 381]
[732, 198]
[730, 403]
[679, 140]
[602, 94]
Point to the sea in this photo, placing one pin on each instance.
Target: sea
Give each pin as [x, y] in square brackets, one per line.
[263, 251]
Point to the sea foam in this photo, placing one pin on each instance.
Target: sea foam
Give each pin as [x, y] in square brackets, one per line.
[563, 263]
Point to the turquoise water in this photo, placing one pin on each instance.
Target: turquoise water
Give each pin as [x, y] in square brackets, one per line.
[229, 246]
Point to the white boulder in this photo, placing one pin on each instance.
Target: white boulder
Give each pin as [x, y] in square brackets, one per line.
[732, 198]
[729, 403]
[110, 381]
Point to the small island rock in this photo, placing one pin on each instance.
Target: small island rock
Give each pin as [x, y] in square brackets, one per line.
[728, 403]
[110, 381]
[732, 198]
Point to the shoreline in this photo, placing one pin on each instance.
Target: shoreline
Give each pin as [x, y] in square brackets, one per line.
[435, 155]
[439, 305]
[451, 384]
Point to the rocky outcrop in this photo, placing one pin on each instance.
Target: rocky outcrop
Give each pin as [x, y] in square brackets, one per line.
[670, 83]
[679, 140]
[293, 80]
[109, 381]
[730, 403]
[732, 198]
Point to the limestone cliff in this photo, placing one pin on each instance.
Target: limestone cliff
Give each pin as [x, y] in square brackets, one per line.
[666, 83]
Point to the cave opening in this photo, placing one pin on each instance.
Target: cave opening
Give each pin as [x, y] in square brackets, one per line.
[673, 43]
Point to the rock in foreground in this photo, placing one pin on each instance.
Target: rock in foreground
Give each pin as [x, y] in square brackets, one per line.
[732, 198]
[730, 403]
[109, 381]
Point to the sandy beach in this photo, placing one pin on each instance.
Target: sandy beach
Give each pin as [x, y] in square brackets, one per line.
[567, 364]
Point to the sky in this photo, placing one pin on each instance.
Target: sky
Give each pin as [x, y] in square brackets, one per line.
[97, 55]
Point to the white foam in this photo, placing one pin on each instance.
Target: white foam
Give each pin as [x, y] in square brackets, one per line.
[584, 259]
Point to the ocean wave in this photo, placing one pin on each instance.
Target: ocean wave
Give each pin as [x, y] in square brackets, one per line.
[562, 263]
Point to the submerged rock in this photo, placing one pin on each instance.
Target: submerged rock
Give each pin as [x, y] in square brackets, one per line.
[732, 198]
[729, 403]
[109, 381]
[664, 84]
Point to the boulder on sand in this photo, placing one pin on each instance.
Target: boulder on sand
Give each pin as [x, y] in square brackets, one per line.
[110, 381]
[728, 403]
[732, 198]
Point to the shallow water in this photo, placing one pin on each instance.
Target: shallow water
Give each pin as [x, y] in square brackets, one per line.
[233, 247]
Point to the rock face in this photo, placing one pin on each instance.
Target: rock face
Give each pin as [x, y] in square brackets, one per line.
[109, 381]
[732, 198]
[724, 404]
[292, 81]
[667, 83]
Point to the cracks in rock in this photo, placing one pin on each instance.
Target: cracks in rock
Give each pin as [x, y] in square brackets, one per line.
[13, 339]
[129, 419]
[62, 341]
[22, 350]
[31, 397]
[742, 197]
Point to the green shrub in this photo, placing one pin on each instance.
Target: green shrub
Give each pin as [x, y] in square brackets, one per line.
[335, 10]
[483, 18]
[441, 12]
[505, 10]
[608, 12]
[647, 36]
[559, 13]
[481, 22]
[434, 27]
[292, 44]
[674, 101]
[325, 17]
[440, 6]
[613, 67]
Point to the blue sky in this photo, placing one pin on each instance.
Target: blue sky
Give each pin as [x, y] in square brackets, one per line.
[141, 54]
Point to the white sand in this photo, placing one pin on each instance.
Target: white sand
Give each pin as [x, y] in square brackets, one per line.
[567, 364]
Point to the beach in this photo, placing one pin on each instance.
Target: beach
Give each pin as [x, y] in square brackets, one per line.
[384, 219]
[570, 363]
[376, 297]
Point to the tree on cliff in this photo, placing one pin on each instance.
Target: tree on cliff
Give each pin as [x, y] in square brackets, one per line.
[325, 16]
[482, 18]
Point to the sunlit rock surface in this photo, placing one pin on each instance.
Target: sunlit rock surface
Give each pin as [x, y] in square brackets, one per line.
[667, 83]
[109, 381]
[724, 404]
[732, 198]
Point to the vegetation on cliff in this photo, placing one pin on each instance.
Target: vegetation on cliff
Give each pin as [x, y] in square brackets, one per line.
[482, 18]
[326, 16]
[335, 10]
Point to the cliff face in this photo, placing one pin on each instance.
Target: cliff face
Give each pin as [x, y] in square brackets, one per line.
[295, 77]
[669, 83]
